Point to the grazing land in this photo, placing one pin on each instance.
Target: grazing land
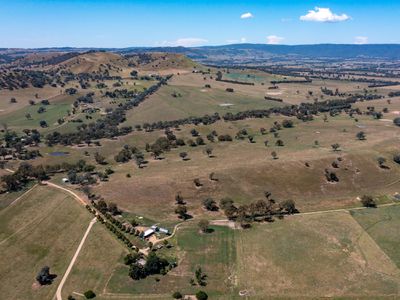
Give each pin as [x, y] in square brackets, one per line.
[243, 180]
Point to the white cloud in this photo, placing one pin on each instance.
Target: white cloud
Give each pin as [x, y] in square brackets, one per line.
[234, 41]
[247, 15]
[361, 40]
[324, 15]
[274, 40]
[184, 42]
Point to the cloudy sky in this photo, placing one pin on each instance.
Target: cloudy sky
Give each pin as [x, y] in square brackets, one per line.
[123, 23]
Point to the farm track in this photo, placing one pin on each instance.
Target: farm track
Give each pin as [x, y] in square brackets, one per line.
[71, 264]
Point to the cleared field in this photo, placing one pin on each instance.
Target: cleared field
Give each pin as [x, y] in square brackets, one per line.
[42, 229]
[382, 225]
[313, 256]
[96, 262]
[193, 101]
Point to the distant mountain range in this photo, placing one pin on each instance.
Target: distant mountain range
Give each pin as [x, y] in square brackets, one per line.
[237, 53]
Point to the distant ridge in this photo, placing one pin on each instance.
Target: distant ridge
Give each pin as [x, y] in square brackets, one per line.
[249, 51]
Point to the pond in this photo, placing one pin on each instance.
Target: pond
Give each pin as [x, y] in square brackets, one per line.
[58, 153]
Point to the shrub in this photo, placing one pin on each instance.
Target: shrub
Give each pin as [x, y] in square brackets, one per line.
[177, 295]
[89, 294]
[396, 158]
[368, 201]
[396, 121]
[200, 295]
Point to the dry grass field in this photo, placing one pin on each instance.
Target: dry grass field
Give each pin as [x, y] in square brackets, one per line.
[43, 228]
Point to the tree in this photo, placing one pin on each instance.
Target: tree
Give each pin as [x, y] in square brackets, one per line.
[335, 147]
[381, 162]
[177, 295]
[203, 225]
[279, 143]
[360, 135]
[209, 151]
[368, 201]
[44, 277]
[396, 158]
[136, 272]
[100, 159]
[200, 295]
[274, 155]
[181, 211]
[154, 264]
[287, 123]
[396, 121]
[210, 204]
[288, 206]
[89, 294]
[183, 155]
[43, 123]
[200, 277]
[197, 182]
[179, 199]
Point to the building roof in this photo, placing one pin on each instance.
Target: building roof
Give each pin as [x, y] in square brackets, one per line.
[148, 232]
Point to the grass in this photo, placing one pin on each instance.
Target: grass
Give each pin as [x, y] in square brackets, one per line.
[214, 253]
[42, 229]
[96, 262]
[194, 101]
[313, 256]
[245, 170]
[382, 225]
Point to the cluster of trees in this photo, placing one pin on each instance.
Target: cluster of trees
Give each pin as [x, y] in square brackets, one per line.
[153, 265]
[261, 210]
[23, 78]
[109, 225]
[120, 93]
[219, 78]
[24, 174]
[129, 152]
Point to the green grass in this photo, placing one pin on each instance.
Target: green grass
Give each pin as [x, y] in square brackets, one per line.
[194, 101]
[18, 121]
[382, 224]
[42, 229]
[214, 253]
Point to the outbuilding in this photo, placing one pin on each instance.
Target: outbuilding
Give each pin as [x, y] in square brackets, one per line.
[148, 233]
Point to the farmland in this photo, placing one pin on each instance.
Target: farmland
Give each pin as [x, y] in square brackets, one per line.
[278, 163]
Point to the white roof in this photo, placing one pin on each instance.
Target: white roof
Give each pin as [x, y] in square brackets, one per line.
[148, 232]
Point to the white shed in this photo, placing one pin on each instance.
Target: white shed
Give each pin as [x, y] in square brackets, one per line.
[148, 233]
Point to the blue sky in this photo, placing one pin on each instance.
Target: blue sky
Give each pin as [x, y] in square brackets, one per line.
[124, 23]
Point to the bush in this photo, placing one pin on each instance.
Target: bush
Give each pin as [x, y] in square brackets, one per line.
[200, 295]
[177, 295]
[396, 158]
[368, 201]
[396, 121]
[89, 294]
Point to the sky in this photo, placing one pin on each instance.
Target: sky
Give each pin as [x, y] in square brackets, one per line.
[127, 23]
